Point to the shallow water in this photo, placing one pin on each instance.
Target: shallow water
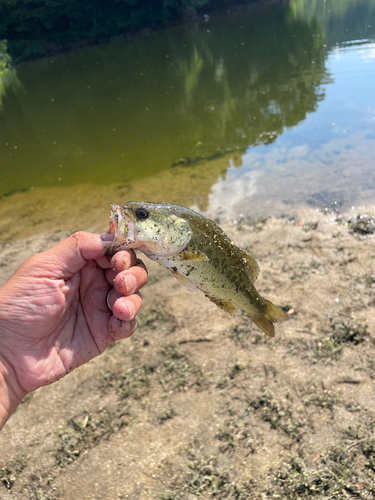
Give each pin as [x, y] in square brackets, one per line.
[260, 111]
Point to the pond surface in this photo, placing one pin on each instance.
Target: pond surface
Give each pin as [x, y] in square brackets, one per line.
[258, 111]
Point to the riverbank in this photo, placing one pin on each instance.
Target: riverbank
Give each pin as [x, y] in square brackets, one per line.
[200, 404]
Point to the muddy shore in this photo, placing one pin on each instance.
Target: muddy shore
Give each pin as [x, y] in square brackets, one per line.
[198, 404]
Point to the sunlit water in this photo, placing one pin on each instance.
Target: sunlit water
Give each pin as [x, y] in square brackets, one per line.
[254, 112]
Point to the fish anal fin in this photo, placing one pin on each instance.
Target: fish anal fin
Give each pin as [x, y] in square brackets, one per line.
[228, 307]
[185, 281]
[251, 264]
[271, 315]
[192, 255]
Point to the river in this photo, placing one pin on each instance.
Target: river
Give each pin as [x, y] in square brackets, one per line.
[259, 112]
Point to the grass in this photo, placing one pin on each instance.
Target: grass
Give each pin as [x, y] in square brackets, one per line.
[252, 224]
[310, 226]
[369, 280]
[153, 278]
[204, 478]
[87, 430]
[234, 432]
[362, 225]
[9, 471]
[156, 318]
[9, 478]
[35, 493]
[135, 383]
[166, 414]
[349, 332]
[345, 470]
[174, 373]
[242, 334]
[235, 369]
[341, 333]
[328, 346]
[278, 413]
[324, 398]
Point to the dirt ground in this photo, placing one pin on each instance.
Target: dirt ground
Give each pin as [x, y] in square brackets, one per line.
[198, 404]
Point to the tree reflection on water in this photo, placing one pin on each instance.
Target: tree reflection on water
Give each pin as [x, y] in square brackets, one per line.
[341, 20]
[132, 108]
[8, 74]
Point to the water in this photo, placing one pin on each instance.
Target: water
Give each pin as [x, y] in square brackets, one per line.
[260, 111]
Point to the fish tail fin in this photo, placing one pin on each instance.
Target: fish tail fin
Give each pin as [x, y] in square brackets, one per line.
[271, 315]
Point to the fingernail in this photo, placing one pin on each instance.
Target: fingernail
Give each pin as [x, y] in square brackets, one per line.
[126, 263]
[107, 237]
[130, 283]
[131, 309]
[124, 325]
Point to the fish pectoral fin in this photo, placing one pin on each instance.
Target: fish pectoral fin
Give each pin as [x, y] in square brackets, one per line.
[228, 307]
[185, 281]
[251, 264]
[192, 255]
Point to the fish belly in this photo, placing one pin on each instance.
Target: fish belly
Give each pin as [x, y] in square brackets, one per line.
[201, 275]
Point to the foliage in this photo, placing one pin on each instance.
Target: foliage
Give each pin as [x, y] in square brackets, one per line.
[61, 21]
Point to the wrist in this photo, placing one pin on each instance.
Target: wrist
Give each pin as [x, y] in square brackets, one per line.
[11, 393]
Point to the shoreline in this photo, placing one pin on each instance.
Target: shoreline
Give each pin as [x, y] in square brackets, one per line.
[14, 251]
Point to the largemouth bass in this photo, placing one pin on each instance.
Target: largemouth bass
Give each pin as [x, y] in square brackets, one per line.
[198, 253]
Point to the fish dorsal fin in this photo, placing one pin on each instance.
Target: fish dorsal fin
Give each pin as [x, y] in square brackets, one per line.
[185, 281]
[228, 307]
[251, 264]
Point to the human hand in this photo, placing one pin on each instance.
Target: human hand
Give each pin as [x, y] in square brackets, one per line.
[54, 314]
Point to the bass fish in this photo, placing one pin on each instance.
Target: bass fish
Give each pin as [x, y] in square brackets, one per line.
[198, 253]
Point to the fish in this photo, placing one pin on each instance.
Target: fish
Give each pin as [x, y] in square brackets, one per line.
[198, 253]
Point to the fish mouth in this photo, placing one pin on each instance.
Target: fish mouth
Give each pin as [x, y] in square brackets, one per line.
[123, 228]
[116, 222]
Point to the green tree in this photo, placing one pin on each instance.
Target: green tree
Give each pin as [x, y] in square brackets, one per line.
[67, 20]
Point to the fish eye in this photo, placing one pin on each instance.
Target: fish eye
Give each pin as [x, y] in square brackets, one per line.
[142, 213]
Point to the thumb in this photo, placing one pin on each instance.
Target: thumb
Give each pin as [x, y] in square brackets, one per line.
[70, 255]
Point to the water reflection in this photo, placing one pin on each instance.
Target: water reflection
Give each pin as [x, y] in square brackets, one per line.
[133, 108]
[252, 80]
[8, 74]
[278, 179]
[341, 20]
[330, 156]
